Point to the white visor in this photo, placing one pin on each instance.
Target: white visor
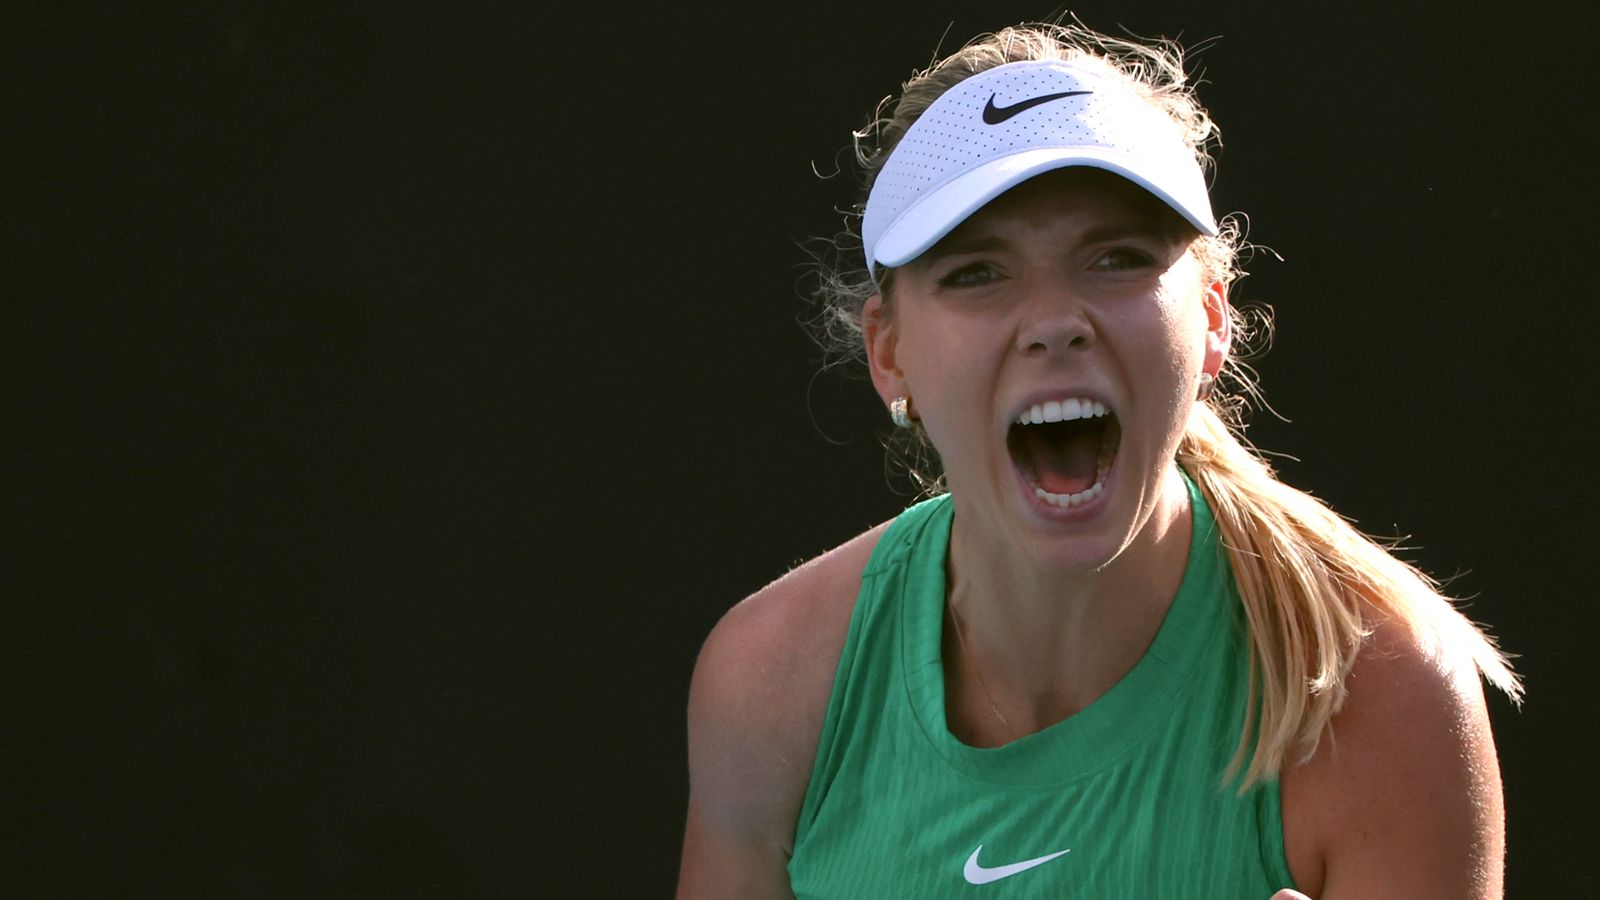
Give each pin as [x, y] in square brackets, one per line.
[1001, 127]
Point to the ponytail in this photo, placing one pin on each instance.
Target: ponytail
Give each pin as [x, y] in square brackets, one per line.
[1308, 582]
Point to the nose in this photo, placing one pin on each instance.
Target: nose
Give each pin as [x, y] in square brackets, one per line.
[1053, 320]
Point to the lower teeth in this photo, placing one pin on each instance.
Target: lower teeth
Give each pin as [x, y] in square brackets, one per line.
[1067, 501]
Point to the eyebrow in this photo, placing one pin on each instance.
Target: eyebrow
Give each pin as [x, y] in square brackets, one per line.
[1134, 226]
[956, 242]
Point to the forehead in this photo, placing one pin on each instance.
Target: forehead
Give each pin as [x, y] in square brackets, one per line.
[1094, 195]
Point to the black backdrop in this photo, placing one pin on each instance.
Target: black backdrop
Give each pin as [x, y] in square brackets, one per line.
[397, 397]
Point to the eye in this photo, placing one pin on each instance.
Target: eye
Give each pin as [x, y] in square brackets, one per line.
[970, 275]
[1123, 259]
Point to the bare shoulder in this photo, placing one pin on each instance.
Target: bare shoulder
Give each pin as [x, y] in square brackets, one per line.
[1403, 797]
[756, 706]
[765, 672]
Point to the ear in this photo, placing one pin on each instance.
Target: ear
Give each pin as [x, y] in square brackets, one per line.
[880, 334]
[1219, 328]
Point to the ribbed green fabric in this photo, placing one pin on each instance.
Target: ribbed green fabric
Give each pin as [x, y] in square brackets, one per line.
[1131, 786]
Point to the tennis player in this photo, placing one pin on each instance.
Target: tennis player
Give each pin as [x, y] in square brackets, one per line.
[1112, 655]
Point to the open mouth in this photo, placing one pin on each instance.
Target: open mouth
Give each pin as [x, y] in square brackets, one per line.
[1064, 449]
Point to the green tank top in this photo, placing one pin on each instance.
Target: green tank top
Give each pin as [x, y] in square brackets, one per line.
[1124, 799]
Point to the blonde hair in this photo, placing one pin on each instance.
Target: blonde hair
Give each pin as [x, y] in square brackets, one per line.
[1309, 582]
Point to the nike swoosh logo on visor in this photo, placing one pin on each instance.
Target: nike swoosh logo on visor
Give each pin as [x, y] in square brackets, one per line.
[976, 874]
[994, 115]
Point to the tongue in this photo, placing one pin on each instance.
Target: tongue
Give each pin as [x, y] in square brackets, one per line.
[1064, 464]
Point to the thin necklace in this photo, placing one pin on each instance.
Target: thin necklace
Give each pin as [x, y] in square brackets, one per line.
[972, 664]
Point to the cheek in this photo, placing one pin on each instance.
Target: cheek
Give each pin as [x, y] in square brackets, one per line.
[939, 353]
[1170, 339]
[1183, 321]
[1184, 336]
[949, 368]
[1157, 337]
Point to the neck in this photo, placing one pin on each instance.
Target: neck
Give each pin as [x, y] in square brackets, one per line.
[1038, 643]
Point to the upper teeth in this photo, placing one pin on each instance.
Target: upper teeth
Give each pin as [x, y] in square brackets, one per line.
[1061, 411]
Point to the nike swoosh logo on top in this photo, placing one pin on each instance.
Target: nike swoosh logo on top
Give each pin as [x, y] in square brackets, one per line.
[976, 874]
[994, 115]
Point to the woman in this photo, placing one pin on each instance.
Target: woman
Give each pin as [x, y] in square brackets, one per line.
[1117, 658]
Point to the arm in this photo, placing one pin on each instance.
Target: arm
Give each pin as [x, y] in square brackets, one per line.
[745, 784]
[1404, 798]
[756, 706]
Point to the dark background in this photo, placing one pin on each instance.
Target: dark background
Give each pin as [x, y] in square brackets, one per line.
[396, 398]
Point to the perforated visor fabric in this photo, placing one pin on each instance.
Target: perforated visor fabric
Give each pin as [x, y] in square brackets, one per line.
[999, 128]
